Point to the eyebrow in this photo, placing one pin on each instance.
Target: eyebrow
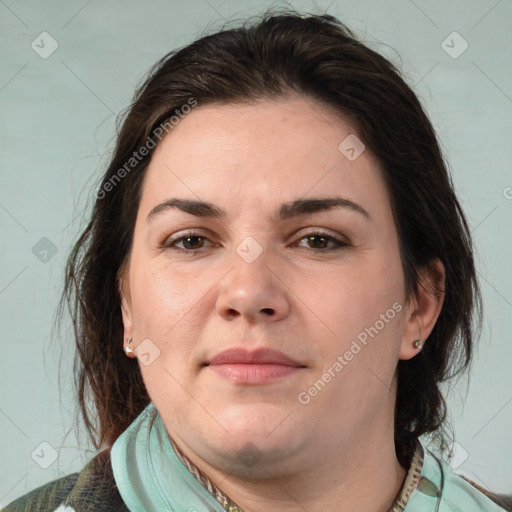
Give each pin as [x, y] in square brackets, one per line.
[286, 211]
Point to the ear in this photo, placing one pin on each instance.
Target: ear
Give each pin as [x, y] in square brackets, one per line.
[126, 306]
[424, 309]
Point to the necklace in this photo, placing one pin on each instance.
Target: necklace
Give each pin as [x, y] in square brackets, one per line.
[411, 481]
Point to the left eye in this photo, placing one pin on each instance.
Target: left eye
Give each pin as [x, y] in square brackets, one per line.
[188, 239]
[324, 239]
[193, 242]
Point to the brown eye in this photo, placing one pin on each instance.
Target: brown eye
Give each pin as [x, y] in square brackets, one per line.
[190, 242]
[319, 241]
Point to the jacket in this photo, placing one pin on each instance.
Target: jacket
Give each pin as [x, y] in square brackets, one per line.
[94, 490]
[91, 490]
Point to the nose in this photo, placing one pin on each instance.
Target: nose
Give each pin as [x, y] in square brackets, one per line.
[253, 290]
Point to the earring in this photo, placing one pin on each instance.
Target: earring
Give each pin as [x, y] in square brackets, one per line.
[417, 343]
[128, 350]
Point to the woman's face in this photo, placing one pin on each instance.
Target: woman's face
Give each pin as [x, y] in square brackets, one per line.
[322, 286]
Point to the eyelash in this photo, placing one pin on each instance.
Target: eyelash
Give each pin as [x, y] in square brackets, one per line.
[168, 243]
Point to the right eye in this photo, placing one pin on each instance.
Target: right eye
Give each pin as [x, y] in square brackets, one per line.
[192, 241]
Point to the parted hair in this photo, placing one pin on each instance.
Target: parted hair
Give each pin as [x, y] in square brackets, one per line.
[279, 53]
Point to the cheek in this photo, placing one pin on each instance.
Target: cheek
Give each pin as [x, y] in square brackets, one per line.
[161, 298]
[362, 304]
[171, 313]
[353, 296]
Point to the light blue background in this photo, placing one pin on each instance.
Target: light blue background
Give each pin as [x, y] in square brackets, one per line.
[57, 125]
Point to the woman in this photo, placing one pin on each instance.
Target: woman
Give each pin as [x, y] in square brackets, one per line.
[276, 278]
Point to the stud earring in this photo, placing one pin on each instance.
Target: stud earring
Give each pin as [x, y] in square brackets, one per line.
[417, 343]
[128, 349]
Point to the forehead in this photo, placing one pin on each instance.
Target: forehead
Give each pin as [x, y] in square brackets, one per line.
[260, 155]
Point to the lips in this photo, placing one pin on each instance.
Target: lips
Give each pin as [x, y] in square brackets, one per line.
[260, 357]
[256, 367]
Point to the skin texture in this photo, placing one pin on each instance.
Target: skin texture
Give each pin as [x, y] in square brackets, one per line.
[337, 451]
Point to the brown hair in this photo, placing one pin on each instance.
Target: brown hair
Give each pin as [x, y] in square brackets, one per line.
[318, 57]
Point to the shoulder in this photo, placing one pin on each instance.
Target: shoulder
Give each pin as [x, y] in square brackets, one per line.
[503, 500]
[92, 489]
[457, 492]
[45, 498]
[463, 492]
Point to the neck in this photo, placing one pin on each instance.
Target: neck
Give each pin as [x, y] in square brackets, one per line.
[364, 475]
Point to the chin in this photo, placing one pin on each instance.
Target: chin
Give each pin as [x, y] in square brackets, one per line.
[259, 429]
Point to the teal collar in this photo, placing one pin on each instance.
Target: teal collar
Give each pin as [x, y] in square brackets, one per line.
[148, 473]
[150, 476]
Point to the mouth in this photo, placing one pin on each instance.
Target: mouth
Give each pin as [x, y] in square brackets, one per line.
[253, 367]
